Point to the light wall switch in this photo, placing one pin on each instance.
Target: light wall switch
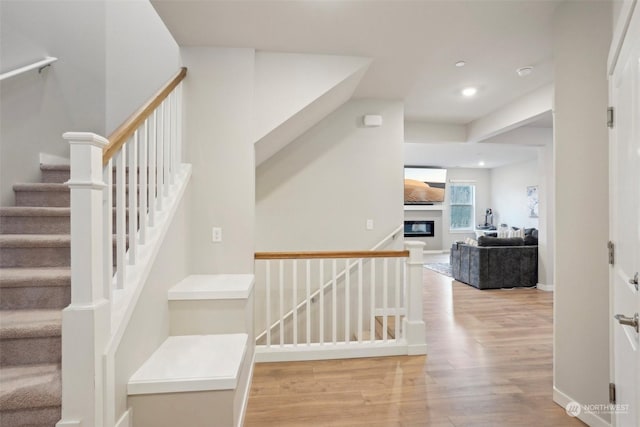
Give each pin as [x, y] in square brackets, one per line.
[369, 224]
[216, 234]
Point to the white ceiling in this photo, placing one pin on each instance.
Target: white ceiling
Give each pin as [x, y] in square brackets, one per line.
[413, 44]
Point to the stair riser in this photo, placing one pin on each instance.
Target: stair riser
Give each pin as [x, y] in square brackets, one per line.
[37, 297]
[30, 351]
[53, 199]
[26, 257]
[35, 257]
[32, 417]
[38, 225]
[54, 176]
[34, 225]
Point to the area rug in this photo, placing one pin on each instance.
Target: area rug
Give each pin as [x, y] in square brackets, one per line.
[440, 267]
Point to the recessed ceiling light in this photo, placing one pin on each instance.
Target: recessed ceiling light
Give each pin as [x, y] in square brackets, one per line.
[469, 91]
[481, 163]
[524, 71]
[460, 64]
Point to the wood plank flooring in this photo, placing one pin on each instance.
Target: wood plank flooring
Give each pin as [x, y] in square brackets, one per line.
[489, 363]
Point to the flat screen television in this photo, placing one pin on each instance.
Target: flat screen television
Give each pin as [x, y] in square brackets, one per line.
[424, 185]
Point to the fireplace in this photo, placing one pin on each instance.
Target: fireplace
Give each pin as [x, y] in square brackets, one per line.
[419, 229]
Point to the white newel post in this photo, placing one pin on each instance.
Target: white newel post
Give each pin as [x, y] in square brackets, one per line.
[414, 328]
[86, 321]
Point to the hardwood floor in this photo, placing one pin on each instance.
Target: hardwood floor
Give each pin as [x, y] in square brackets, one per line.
[489, 363]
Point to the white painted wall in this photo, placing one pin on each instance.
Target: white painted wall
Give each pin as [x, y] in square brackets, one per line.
[286, 83]
[546, 220]
[36, 109]
[218, 111]
[513, 115]
[582, 34]
[149, 324]
[141, 56]
[482, 180]
[318, 192]
[433, 133]
[509, 193]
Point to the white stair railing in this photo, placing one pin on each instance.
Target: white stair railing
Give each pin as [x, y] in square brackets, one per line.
[340, 321]
[128, 179]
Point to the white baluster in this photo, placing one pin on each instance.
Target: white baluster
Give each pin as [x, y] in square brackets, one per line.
[107, 237]
[334, 298]
[360, 314]
[372, 301]
[132, 157]
[142, 142]
[160, 156]
[321, 287]
[347, 301]
[281, 293]
[268, 299]
[174, 137]
[308, 295]
[385, 297]
[153, 191]
[294, 284]
[121, 218]
[167, 147]
[398, 285]
[179, 141]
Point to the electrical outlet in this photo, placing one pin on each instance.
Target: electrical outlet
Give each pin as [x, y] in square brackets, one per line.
[216, 234]
[369, 224]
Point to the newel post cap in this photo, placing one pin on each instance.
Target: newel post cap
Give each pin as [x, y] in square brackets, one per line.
[86, 138]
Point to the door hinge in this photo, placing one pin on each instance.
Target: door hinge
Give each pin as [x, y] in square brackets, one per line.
[610, 117]
[612, 257]
[612, 393]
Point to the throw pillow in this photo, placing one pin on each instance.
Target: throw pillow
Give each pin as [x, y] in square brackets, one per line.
[500, 241]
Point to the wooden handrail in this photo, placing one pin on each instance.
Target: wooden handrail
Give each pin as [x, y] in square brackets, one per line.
[120, 136]
[331, 255]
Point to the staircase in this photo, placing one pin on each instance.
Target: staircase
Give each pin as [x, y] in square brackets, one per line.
[34, 288]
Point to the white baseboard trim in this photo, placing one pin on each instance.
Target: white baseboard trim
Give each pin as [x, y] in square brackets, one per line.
[546, 288]
[246, 391]
[125, 420]
[589, 418]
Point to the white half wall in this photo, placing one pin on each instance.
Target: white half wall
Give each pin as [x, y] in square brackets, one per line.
[509, 193]
[141, 56]
[218, 111]
[149, 323]
[582, 34]
[36, 109]
[318, 192]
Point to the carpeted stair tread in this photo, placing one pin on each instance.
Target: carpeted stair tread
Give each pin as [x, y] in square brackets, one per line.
[41, 186]
[34, 240]
[34, 211]
[33, 386]
[49, 167]
[15, 324]
[29, 277]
